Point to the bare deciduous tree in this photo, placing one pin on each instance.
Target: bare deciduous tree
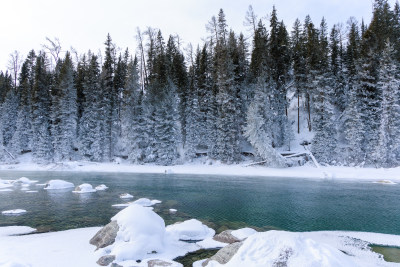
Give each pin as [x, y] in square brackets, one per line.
[14, 65]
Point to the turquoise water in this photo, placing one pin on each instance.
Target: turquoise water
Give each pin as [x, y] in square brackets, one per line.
[220, 201]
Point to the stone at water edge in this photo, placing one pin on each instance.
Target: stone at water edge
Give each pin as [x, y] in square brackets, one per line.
[158, 263]
[105, 236]
[226, 237]
[225, 254]
[105, 260]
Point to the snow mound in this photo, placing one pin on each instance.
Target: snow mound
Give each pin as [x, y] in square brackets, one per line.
[25, 181]
[13, 212]
[279, 248]
[31, 191]
[16, 230]
[172, 210]
[101, 187]
[145, 202]
[125, 195]
[190, 230]
[243, 233]
[58, 184]
[84, 188]
[141, 232]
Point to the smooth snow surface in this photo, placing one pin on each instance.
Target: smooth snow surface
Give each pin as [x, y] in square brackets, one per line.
[16, 230]
[13, 212]
[58, 184]
[61, 249]
[126, 195]
[101, 187]
[84, 188]
[243, 233]
[190, 230]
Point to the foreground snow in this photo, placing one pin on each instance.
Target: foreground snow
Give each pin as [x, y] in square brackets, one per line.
[61, 249]
[373, 174]
[72, 248]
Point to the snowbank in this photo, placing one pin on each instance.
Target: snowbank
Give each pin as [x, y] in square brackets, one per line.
[13, 212]
[190, 230]
[84, 188]
[58, 184]
[334, 172]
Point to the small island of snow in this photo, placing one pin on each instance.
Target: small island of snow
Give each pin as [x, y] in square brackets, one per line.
[58, 184]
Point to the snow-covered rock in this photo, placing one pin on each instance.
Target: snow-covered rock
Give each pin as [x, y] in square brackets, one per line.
[243, 233]
[6, 190]
[281, 248]
[84, 188]
[141, 232]
[172, 211]
[101, 187]
[190, 230]
[58, 184]
[13, 212]
[145, 202]
[125, 196]
[141, 235]
[25, 181]
[105, 236]
[5, 184]
[388, 182]
[31, 191]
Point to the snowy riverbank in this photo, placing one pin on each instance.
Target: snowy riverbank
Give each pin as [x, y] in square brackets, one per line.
[332, 172]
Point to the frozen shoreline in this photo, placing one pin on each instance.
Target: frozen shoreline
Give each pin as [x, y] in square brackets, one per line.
[332, 172]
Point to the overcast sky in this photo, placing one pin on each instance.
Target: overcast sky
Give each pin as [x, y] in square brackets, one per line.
[84, 24]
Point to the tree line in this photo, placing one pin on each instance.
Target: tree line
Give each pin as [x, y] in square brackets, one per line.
[226, 98]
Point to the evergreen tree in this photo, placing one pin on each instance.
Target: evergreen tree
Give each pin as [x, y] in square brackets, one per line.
[41, 101]
[22, 138]
[388, 148]
[109, 98]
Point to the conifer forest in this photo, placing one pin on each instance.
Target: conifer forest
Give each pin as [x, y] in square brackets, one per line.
[227, 99]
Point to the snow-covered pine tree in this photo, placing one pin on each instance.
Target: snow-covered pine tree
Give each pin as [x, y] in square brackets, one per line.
[108, 99]
[387, 151]
[9, 112]
[120, 76]
[22, 138]
[131, 114]
[69, 110]
[41, 143]
[324, 141]
[90, 128]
